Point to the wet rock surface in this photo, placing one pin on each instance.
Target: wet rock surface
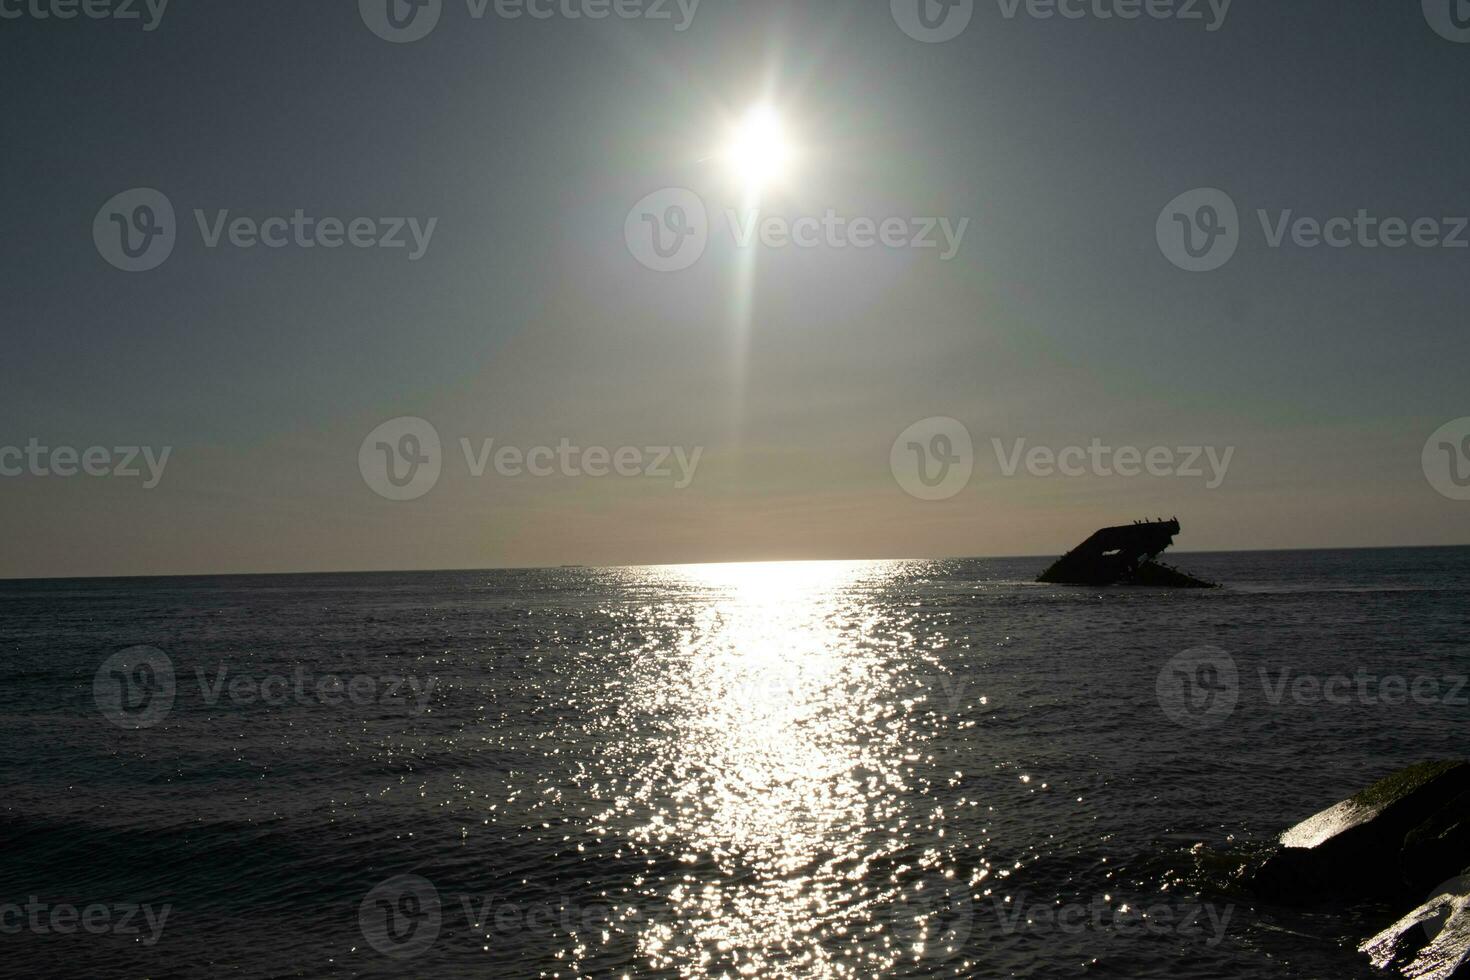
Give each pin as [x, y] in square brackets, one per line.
[1385, 842]
[1430, 943]
[1405, 838]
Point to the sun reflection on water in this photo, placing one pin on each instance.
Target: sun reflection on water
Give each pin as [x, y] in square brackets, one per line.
[781, 779]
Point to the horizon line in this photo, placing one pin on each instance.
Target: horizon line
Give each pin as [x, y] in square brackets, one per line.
[775, 561]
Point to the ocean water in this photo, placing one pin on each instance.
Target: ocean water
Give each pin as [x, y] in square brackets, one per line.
[855, 769]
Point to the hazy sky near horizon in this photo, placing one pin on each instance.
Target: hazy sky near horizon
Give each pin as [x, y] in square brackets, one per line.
[529, 320]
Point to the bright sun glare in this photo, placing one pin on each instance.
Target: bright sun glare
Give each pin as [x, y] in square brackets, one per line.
[759, 153]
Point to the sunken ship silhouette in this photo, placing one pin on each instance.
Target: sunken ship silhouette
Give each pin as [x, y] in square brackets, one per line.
[1125, 555]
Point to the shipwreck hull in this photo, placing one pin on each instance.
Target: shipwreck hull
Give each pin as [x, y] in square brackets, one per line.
[1124, 555]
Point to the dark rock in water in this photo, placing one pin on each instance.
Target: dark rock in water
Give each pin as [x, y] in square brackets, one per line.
[1357, 849]
[1442, 841]
[1392, 840]
[1123, 555]
[1430, 943]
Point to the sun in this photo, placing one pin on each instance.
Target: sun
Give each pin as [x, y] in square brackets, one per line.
[759, 153]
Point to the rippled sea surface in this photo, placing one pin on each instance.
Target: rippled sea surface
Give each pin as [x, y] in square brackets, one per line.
[914, 768]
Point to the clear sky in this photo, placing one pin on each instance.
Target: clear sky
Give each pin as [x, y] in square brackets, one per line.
[530, 319]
